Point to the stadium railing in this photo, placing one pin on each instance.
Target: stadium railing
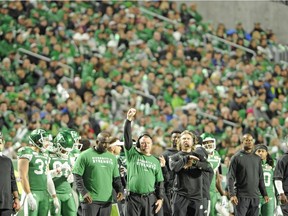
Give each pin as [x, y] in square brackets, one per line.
[44, 58]
[230, 44]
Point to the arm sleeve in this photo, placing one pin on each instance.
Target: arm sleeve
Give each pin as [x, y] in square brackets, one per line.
[232, 176]
[165, 173]
[279, 186]
[127, 135]
[176, 162]
[204, 165]
[50, 185]
[262, 187]
[117, 184]
[279, 170]
[159, 190]
[80, 185]
[13, 179]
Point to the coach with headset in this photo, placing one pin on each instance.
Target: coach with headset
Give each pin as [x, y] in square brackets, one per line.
[145, 179]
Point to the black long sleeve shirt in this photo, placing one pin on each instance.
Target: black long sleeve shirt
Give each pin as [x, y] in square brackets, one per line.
[245, 176]
[169, 183]
[7, 183]
[281, 172]
[207, 175]
[188, 182]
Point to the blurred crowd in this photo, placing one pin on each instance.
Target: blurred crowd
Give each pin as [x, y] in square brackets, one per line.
[122, 57]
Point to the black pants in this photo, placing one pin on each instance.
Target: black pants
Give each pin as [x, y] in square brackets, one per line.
[137, 205]
[284, 209]
[96, 209]
[5, 212]
[247, 207]
[166, 209]
[183, 207]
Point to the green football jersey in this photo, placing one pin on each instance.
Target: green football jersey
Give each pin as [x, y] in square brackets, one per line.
[143, 171]
[268, 178]
[60, 182]
[38, 164]
[97, 171]
[215, 161]
[73, 155]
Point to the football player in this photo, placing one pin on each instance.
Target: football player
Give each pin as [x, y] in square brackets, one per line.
[34, 174]
[267, 209]
[62, 176]
[209, 143]
[77, 146]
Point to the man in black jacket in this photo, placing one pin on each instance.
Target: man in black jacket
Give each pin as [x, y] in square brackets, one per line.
[175, 135]
[245, 179]
[9, 198]
[188, 167]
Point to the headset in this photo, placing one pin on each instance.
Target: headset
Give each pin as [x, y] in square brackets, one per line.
[142, 135]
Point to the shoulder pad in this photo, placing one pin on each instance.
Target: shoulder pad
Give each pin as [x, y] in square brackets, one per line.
[25, 152]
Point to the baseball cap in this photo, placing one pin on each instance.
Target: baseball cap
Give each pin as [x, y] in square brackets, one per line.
[117, 143]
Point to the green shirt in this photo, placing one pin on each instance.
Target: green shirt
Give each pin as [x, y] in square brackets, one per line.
[215, 160]
[143, 171]
[268, 178]
[60, 182]
[38, 164]
[97, 171]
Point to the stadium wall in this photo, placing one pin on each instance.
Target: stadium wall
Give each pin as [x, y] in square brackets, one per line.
[271, 15]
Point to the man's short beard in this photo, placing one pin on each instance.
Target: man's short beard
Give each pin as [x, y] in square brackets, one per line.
[246, 148]
[100, 148]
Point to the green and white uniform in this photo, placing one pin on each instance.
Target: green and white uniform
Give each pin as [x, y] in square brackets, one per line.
[146, 168]
[73, 155]
[215, 160]
[37, 175]
[63, 188]
[267, 209]
[98, 171]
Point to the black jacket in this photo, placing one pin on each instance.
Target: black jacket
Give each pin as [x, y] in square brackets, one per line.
[188, 182]
[245, 176]
[7, 183]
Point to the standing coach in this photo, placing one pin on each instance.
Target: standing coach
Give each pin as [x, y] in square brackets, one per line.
[145, 178]
[245, 179]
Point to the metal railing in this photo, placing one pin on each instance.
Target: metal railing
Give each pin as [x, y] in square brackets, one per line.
[174, 22]
[141, 93]
[215, 118]
[44, 58]
[279, 53]
[229, 43]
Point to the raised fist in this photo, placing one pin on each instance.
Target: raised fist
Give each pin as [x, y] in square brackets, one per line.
[131, 113]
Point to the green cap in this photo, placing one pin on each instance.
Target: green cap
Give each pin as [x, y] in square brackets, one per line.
[106, 106]
[53, 5]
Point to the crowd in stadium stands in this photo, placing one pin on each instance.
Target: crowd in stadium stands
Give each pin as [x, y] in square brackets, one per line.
[115, 51]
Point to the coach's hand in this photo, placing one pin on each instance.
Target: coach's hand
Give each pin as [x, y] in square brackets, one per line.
[162, 161]
[266, 198]
[234, 200]
[120, 196]
[131, 114]
[158, 205]
[283, 198]
[87, 198]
